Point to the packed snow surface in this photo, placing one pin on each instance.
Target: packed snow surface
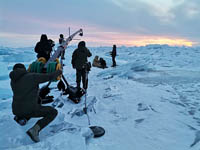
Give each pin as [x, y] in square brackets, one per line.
[149, 101]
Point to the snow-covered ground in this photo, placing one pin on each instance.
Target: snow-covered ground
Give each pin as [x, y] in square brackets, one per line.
[150, 101]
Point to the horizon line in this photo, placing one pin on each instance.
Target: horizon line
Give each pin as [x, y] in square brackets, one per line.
[17, 40]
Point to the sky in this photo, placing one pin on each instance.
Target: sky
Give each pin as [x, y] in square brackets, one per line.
[104, 22]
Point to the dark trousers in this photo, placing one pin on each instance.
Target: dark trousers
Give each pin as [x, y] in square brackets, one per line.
[81, 75]
[47, 112]
[114, 62]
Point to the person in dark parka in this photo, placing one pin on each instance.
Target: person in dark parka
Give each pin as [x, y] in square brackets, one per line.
[25, 87]
[79, 59]
[103, 63]
[43, 47]
[114, 54]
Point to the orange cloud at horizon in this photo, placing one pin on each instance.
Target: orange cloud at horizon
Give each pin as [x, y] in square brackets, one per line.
[110, 38]
[171, 42]
[100, 39]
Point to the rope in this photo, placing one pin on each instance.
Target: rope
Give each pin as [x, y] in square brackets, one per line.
[42, 59]
[59, 67]
[53, 66]
[37, 66]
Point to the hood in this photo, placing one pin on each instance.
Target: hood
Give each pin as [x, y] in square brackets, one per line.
[43, 38]
[17, 74]
[96, 58]
[81, 44]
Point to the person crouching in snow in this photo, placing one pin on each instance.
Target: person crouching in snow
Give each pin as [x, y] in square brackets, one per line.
[25, 87]
[103, 63]
[96, 62]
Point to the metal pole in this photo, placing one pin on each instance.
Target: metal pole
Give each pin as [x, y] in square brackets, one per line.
[85, 109]
[65, 80]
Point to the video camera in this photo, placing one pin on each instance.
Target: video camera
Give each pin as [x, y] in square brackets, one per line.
[51, 42]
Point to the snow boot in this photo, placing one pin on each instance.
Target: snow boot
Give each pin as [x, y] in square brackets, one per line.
[33, 133]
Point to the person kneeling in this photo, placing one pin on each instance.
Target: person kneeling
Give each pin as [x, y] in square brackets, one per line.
[96, 62]
[103, 63]
[25, 87]
[100, 63]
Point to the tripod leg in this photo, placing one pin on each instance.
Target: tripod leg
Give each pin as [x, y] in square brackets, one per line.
[65, 80]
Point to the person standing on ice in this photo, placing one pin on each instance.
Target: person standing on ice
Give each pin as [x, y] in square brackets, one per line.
[61, 39]
[114, 54]
[44, 47]
[25, 87]
[61, 42]
[79, 60]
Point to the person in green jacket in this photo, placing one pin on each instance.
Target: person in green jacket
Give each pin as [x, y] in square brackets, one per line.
[25, 87]
[79, 60]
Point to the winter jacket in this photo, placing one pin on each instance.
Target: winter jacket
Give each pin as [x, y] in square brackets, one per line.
[25, 87]
[61, 40]
[103, 63]
[79, 57]
[114, 52]
[96, 62]
[43, 48]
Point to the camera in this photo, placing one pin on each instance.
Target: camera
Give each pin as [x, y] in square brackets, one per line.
[51, 42]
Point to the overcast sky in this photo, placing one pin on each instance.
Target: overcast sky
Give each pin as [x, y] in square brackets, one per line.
[104, 22]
